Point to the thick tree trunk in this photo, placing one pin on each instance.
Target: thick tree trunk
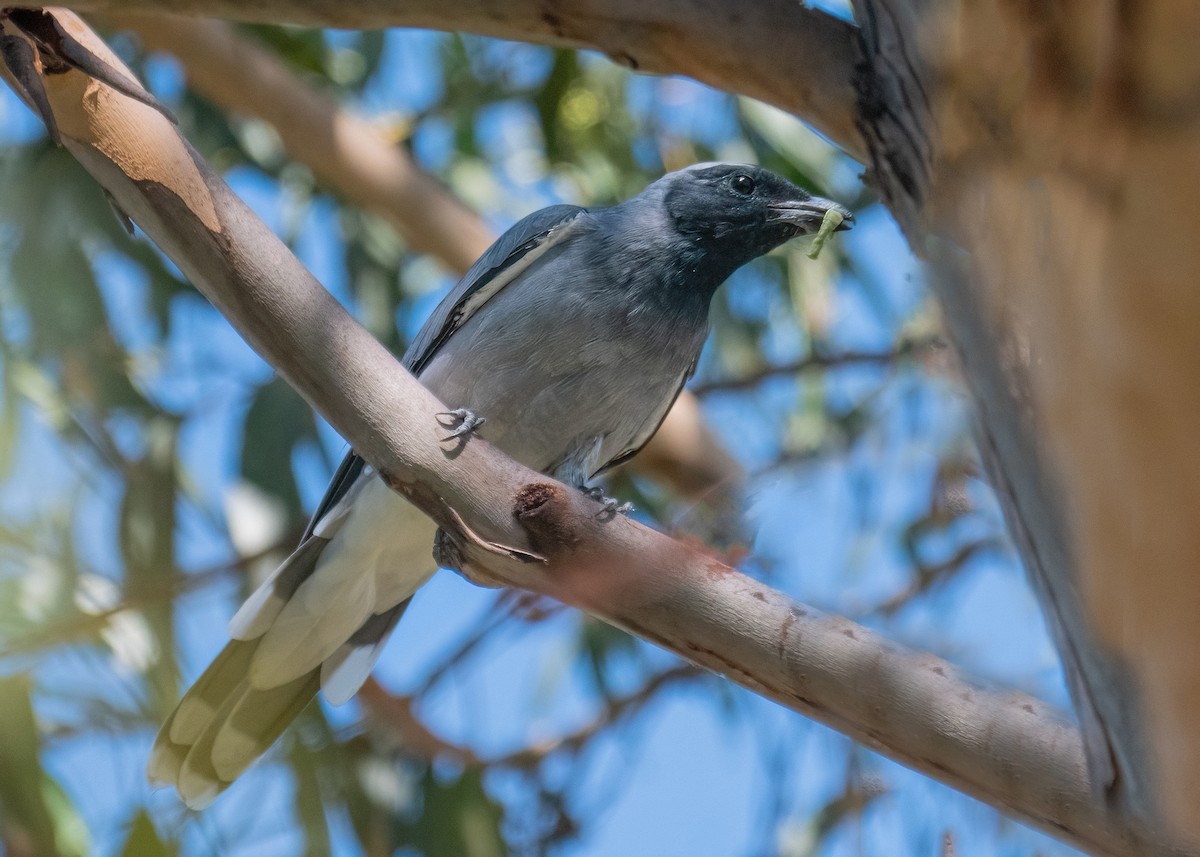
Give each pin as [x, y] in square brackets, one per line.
[900, 96]
[1069, 169]
[1058, 207]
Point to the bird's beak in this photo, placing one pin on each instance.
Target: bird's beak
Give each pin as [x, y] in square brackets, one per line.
[807, 214]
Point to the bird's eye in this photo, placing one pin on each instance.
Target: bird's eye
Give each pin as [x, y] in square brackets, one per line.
[743, 184]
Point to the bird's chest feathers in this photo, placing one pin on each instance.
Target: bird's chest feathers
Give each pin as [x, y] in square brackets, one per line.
[572, 355]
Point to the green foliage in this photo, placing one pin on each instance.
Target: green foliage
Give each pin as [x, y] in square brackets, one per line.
[34, 808]
[277, 422]
[144, 841]
[456, 818]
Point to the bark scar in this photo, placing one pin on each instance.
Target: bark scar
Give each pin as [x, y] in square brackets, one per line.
[542, 509]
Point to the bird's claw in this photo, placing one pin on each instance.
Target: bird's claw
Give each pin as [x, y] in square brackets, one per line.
[461, 420]
[611, 505]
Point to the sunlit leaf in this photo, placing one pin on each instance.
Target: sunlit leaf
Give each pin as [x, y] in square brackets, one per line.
[143, 839]
[30, 800]
[458, 819]
[277, 422]
[310, 806]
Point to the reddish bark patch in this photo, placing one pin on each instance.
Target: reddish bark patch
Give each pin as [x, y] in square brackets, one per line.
[533, 497]
[544, 512]
[717, 569]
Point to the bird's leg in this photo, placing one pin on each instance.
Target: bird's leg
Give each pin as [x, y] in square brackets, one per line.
[461, 420]
[611, 505]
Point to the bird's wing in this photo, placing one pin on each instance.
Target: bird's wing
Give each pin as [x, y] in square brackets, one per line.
[652, 426]
[296, 633]
[356, 594]
[343, 479]
[512, 253]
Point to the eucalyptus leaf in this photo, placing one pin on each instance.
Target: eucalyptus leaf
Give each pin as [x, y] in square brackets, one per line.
[30, 800]
[143, 839]
[458, 819]
[276, 423]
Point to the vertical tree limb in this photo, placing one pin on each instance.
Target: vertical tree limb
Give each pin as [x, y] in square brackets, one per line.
[1069, 170]
[899, 96]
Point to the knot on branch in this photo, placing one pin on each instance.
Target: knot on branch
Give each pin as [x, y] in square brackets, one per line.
[544, 510]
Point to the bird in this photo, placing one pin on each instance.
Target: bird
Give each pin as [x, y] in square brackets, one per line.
[564, 346]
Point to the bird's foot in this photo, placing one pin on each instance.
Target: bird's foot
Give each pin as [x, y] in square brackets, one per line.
[461, 420]
[612, 506]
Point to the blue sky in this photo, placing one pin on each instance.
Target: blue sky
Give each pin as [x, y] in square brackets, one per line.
[693, 775]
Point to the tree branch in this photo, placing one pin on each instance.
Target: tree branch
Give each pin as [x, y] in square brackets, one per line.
[1006, 749]
[613, 711]
[394, 716]
[778, 51]
[821, 360]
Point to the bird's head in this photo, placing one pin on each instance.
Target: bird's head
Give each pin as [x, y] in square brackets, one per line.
[740, 211]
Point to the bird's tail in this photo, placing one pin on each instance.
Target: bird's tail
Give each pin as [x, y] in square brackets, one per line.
[319, 622]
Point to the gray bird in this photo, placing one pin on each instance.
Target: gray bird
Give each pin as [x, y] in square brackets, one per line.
[565, 346]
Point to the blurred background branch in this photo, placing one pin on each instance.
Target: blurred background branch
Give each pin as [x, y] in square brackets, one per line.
[748, 49]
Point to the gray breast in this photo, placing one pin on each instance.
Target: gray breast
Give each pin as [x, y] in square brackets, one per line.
[570, 364]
